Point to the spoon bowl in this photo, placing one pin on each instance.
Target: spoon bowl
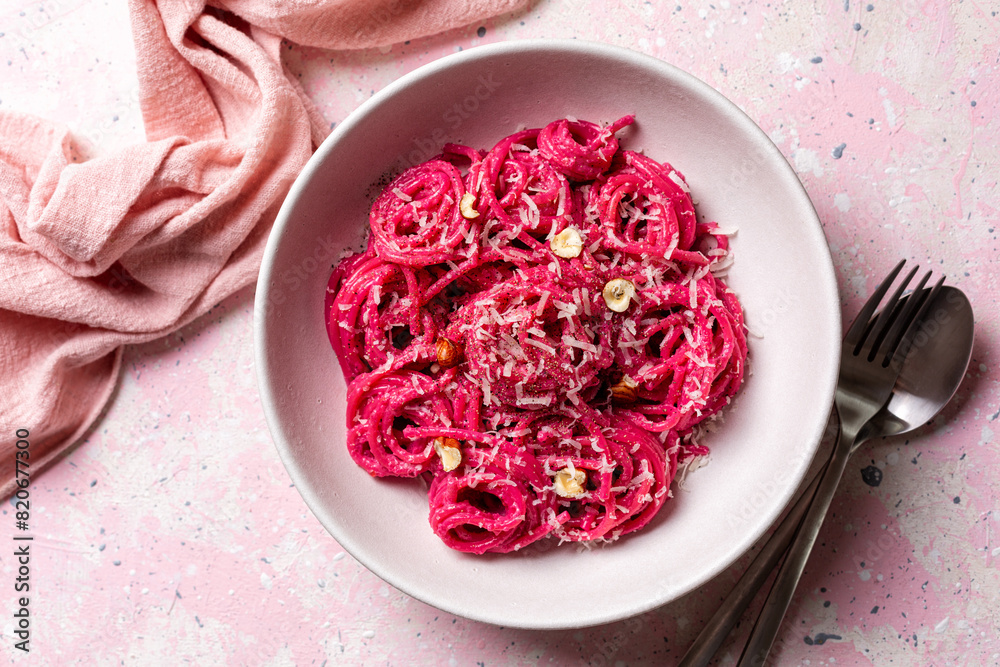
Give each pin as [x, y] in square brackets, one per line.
[934, 366]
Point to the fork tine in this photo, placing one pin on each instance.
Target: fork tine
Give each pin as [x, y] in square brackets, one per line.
[897, 353]
[905, 315]
[885, 319]
[874, 336]
[856, 333]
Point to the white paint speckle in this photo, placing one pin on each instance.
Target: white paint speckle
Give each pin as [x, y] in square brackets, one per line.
[942, 625]
[786, 62]
[265, 580]
[807, 161]
[842, 201]
[890, 112]
[865, 575]
[892, 458]
[338, 556]
[368, 634]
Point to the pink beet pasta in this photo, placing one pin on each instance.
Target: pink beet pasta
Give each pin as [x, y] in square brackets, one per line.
[536, 329]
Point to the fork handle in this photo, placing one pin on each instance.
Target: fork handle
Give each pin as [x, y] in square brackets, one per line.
[766, 627]
[708, 641]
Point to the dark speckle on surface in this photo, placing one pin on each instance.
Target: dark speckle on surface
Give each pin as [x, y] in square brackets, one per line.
[819, 639]
[838, 151]
[956, 500]
[482, 31]
[816, 60]
[871, 475]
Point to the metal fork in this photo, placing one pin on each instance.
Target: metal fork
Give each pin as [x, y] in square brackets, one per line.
[871, 357]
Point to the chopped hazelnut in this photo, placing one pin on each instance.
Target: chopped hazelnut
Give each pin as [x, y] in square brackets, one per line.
[618, 293]
[570, 483]
[468, 206]
[624, 391]
[567, 243]
[449, 353]
[450, 451]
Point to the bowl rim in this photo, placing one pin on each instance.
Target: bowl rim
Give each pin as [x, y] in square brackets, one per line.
[826, 285]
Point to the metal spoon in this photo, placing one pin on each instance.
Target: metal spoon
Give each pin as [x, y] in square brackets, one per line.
[928, 379]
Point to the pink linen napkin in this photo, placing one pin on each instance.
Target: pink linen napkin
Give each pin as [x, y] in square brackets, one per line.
[130, 246]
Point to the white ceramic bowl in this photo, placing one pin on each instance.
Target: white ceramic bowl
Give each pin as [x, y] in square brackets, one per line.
[782, 273]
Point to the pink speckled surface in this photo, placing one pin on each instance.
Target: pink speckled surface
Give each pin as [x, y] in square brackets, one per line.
[173, 530]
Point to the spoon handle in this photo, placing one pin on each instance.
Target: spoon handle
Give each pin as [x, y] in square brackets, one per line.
[725, 618]
[766, 627]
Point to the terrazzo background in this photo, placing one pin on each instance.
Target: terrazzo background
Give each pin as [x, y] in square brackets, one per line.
[173, 530]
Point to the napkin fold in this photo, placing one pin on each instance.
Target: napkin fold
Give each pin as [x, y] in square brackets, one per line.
[129, 246]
